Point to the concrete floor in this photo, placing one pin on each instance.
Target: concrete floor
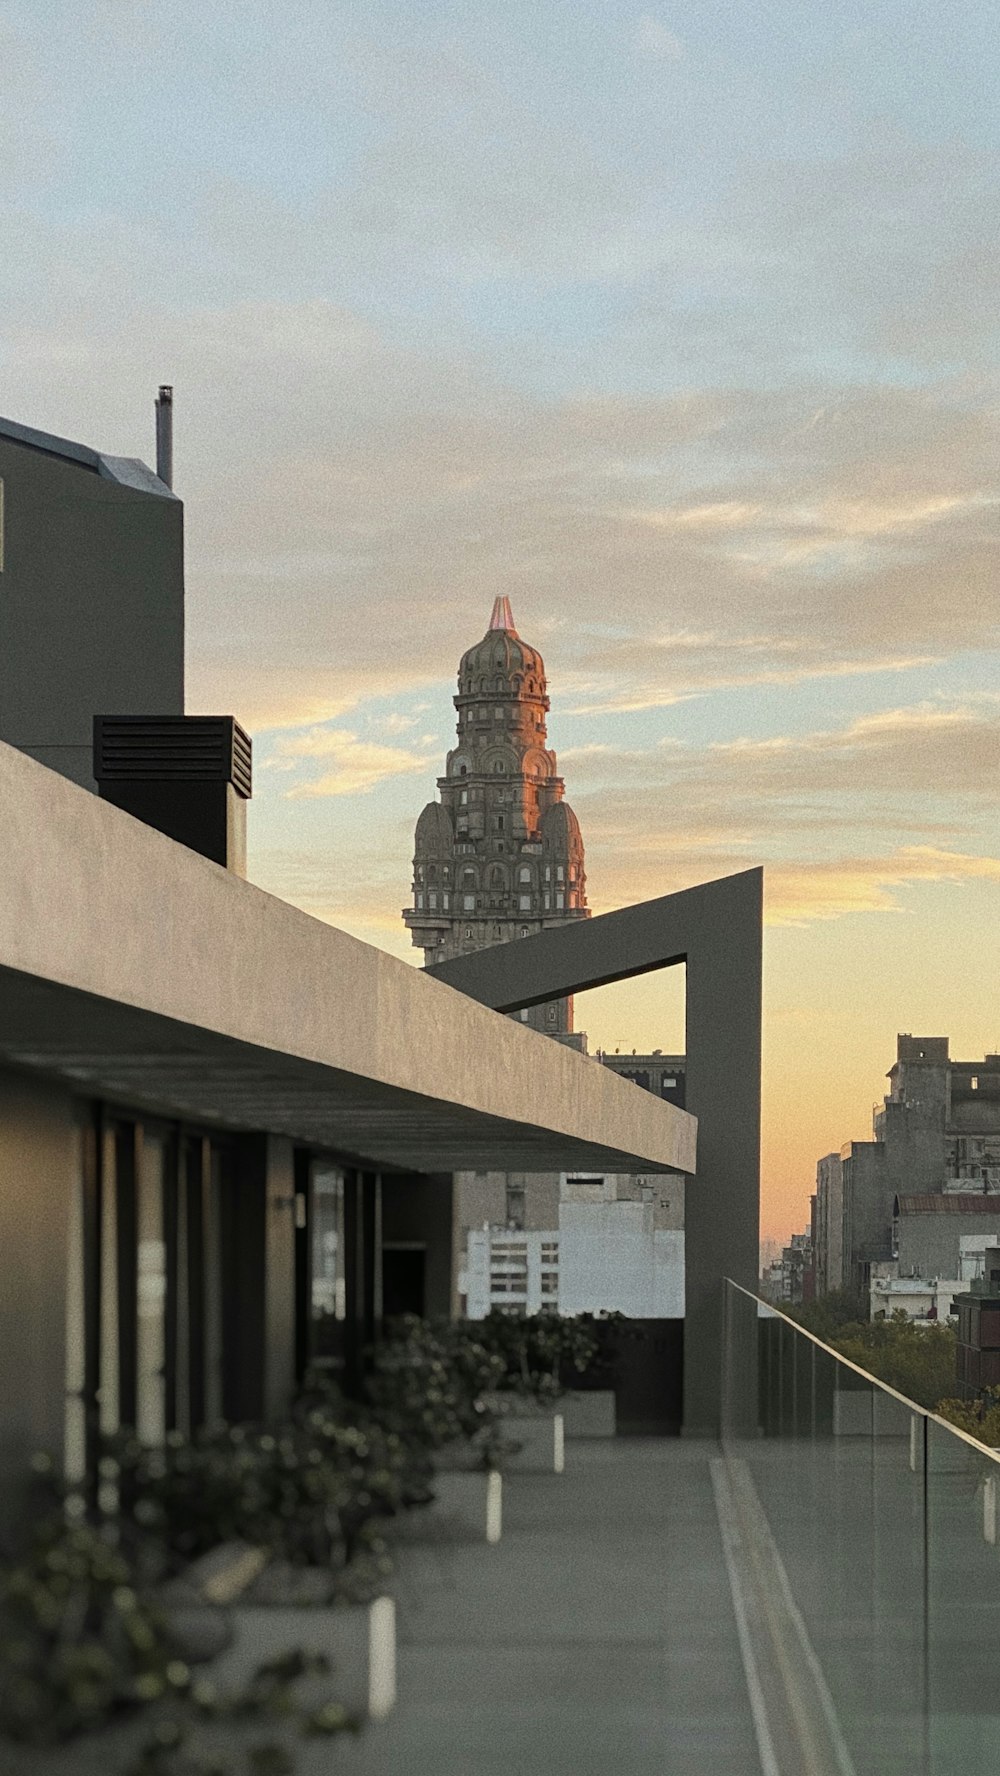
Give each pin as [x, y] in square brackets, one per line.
[598, 1635]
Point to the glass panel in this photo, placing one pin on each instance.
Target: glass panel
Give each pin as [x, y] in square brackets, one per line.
[963, 1593]
[151, 1293]
[219, 1168]
[328, 1303]
[896, 1730]
[870, 1537]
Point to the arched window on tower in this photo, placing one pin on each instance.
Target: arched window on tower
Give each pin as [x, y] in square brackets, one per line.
[499, 768]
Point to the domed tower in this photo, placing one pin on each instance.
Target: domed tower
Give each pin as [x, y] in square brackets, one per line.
[500, 855]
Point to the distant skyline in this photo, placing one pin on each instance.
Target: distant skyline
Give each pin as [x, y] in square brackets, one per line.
[676, 326]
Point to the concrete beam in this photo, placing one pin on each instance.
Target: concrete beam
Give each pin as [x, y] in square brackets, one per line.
[716, 930]
[138, 970]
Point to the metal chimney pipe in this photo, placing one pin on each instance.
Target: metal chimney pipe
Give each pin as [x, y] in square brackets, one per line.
[165, 434]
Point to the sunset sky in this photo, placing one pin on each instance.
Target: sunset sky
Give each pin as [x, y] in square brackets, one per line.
[679, 327]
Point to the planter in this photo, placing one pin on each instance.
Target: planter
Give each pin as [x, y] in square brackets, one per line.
[466, 1507]
[359, 1640]
[589, 1413]
[532, 1435]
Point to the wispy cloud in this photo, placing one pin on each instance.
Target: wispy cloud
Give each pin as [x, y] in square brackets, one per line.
[353, 766]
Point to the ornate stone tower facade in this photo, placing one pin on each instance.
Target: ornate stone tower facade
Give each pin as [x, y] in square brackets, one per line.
[500, 855]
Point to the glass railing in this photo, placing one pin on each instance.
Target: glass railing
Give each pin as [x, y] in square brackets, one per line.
[871, 1528]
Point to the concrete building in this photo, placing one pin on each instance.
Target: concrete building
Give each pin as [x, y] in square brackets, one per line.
[177, 1097]
[937, 1133]
[91, 547]
[829, 1224]
[208, 1176]
[616, 1244]
[929, 1232]
[662, 1074]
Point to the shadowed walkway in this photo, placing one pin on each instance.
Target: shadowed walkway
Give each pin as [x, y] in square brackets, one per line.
[598, 1636]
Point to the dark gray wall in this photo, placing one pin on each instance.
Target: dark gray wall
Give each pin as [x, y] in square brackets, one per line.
[91, 606]
[929, 1243]
[39, 1169]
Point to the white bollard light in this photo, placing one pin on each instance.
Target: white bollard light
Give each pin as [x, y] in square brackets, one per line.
[559, 1443]
[990, 1510]
[381, 1657]
[494, 1505]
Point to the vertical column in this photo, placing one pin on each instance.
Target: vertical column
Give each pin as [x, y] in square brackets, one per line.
[353, 1284]
[362, 1272]
[303, 1219]
[722, 1204]
[151, 1291]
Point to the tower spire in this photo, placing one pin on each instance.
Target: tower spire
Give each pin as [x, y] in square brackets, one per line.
[503, 616]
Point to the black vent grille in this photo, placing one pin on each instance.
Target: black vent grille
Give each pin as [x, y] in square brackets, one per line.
[173, 748]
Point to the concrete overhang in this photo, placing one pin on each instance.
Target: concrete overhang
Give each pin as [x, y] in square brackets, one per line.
[139, 971]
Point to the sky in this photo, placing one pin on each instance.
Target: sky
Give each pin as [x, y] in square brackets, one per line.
[679, 327]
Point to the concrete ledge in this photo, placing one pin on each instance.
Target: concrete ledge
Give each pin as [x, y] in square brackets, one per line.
[466, 1507]
[359, 1640]
[589, 1414]
[533, 1442]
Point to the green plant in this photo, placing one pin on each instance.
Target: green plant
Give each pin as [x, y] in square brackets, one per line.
[427, 1383]
[79, 1647]
[197, 1740]
[77, 1643]
[538, 1349]
[917, 1359]
[275, 1490]
[980, 1418]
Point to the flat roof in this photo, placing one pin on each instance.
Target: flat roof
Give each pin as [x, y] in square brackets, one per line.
[141, 972]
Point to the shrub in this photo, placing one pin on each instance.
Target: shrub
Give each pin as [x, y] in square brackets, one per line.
[77, 1644]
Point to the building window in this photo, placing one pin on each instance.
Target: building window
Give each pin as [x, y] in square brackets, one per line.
[551, 1014]
[468, 903]
[432, 901]
[498, 715]
[559, 872]
[446, 900]
[419, 901]
[464, 797]
[524, 930]
[469, 931]
[524, 874]
[548, 873]
[548, 901]
[560, 899]
[498, 819]
[524, 903]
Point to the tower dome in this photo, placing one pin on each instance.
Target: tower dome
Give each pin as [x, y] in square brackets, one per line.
[501, 654]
